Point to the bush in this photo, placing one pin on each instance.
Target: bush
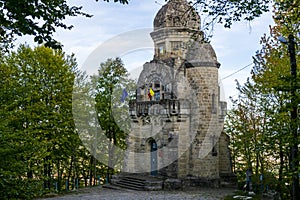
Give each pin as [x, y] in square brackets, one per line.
[15, 188]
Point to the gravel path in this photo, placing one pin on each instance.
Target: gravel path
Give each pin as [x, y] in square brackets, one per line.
[96, 193]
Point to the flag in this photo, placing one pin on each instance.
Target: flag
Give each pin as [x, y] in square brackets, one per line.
[124, 95]
[151, 93]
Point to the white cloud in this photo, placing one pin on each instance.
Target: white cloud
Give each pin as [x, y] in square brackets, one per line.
[234, 47]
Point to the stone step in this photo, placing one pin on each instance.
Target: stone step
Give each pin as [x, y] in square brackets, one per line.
[136, 180]
[130, 183]
[131, 187]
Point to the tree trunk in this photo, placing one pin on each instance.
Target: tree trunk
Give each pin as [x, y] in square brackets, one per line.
[47, 173]
[91, 170]
[257, 163]
[49, 176]
[30, 173]
[95, 173]
[59, 176]
[85, 181]
[281, 166]
[70, 171]
[109, 162]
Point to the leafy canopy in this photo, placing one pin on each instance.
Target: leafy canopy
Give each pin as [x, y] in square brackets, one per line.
[260, 124]
[227, 12]
[39, 18]
[36, 126]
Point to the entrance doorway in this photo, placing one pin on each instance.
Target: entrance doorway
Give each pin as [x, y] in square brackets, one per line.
[153, 158]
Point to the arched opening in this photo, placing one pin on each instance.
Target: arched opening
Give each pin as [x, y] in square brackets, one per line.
[153, 157]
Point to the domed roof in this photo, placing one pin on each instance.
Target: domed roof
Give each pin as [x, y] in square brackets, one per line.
[201, 54]
[177, 13]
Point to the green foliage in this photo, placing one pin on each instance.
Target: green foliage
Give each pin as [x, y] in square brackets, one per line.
[260, 124]
[112, 113]
[40, 148]
[287, 15]
[227, 12]
[37, 129]
[110, 82]
[42, 18]
[37, 18]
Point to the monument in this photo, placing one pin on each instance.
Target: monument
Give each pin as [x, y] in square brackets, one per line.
[177, 116]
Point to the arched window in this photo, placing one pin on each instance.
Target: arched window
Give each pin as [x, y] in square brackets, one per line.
[155, 90]
[161, 49]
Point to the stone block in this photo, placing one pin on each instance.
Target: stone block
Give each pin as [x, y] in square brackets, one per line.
[153, 185]
[172, 184]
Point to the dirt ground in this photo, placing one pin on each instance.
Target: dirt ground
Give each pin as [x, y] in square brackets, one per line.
[95, 193]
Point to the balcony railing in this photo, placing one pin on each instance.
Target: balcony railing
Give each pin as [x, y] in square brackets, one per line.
[161, 107]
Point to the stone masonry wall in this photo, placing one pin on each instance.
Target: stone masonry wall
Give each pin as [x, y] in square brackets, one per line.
[225, 157]
[204, 80]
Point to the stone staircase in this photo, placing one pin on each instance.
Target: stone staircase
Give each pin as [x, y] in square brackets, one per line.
[136, 183]
[130, 183]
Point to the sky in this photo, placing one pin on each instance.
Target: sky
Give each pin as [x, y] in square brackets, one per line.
[123, 30]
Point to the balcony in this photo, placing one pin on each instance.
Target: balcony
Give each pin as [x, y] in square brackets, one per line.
[167, 107]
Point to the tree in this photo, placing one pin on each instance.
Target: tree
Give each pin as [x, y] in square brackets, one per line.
[86, 125]
[273, 72]
[270, 92]
[246, 124]
[39, 18]
[40, 146]
[228, 12]
[111, 81]
[38, 136]
[42, 18]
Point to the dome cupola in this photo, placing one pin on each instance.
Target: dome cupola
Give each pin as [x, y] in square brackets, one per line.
[176, 25]
[177, 13]
[201, 54]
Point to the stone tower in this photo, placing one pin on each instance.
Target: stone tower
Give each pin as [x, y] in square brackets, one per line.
[177, 116]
